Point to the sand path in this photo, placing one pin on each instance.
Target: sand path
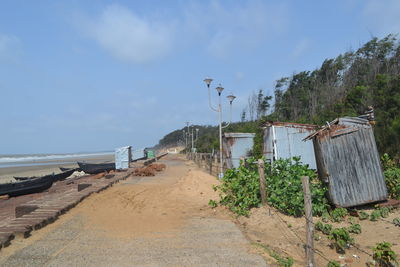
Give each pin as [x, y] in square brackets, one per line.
[157, 221]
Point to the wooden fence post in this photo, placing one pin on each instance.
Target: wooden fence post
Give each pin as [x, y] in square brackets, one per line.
[261, 174]
[309, 222]
[211, 163]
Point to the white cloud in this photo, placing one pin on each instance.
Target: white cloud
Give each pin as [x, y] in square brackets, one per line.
[129, 37]
[235, 28]
[9, 47]
[382, 16]
[222, 29]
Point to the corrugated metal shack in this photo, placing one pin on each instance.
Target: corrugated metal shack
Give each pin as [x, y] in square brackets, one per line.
[348, 160]
[122, 157]
[285, 140]
[236, 146]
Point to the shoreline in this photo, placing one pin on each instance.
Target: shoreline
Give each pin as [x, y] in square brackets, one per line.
[47, 166]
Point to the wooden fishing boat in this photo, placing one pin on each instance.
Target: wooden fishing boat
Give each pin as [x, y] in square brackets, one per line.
[27, 186]
[67, 169]
[56, 177]
[95, 168]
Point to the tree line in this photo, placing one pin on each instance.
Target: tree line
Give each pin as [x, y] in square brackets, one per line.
[342, 86]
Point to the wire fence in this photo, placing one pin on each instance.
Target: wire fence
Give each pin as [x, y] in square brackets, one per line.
[211, 163]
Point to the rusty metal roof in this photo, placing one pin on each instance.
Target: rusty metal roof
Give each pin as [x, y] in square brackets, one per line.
[239, 135]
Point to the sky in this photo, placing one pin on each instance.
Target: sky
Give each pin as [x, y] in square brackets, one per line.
[79, 76]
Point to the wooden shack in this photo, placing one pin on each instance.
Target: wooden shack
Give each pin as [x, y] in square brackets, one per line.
[348, 161]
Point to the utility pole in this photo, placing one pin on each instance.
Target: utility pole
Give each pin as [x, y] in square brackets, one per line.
[192, 139]
[187, 135]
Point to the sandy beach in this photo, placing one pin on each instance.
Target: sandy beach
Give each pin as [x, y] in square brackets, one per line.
[39, 168]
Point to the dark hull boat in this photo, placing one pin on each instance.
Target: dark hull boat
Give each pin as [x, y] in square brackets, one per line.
[27, 186]
[56, 177]
[68, 169]
[93, 168]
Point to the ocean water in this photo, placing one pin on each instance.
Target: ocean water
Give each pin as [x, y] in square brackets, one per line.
[18, 160]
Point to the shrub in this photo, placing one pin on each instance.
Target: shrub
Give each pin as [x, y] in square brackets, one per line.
[339, 214]
[375, 215]
[240, 190]
[341, 239]
[384, 255]
[392, 176]
[285, 190]
[333, 264]
[396, 221]
[212, 203]
[354, 228]
[363, 215]
[324, 228]
[384, 211]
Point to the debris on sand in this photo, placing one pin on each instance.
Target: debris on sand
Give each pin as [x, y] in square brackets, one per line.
[149, 170]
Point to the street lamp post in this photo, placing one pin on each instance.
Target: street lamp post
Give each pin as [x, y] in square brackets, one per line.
[219, 111]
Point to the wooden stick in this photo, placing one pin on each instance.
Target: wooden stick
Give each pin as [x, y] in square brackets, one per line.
[261, 173]
[309, 222]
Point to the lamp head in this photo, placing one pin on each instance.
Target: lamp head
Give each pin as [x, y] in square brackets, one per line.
[219, 89]
[208, 81]
[231, 97]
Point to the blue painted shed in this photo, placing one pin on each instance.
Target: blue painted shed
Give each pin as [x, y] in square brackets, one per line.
[122, 157]
[285, 140]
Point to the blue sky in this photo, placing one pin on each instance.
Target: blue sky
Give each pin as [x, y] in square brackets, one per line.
[95, 75]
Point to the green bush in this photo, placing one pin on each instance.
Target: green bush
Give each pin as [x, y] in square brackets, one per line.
[375, 215]
[363, 215]
[392, 176]
[339, 214]
[384, 255]
[333, 264]
[341, 239]
[240, 190]
[354, 228]
[324, 228]
[285, 190]
[384, 211]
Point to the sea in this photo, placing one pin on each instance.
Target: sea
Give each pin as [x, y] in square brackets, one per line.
[21, 160]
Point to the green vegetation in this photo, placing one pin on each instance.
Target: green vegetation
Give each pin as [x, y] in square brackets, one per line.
[378, 213]
[384, 255]
[212, 203]
[396, 221]
[333, 264]
[392, 176]
[324, 228]
[384, 212]
[354, 228]
[375, 215]
[363, 215]
[341, 239]
[341, 86]
[240, 189]
[346, 86]
[339, 214]
[282, 261]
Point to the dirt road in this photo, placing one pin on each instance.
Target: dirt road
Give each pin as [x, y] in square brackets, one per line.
[153, 221]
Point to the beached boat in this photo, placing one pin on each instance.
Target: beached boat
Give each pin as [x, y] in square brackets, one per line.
[28, 186]
[95, 168]
[68, 169]
[56, 177]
